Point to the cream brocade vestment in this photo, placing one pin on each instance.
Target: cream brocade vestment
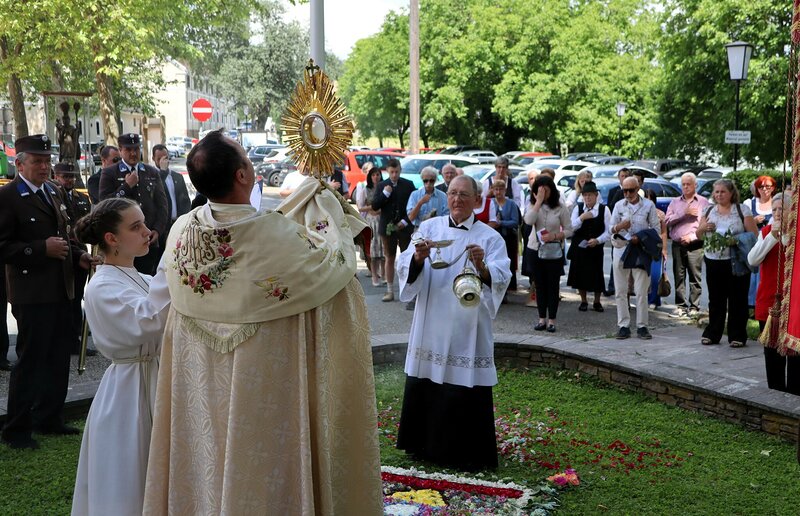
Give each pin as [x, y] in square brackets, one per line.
[266, 399]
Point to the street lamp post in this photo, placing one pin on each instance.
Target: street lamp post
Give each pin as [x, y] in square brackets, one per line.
[620, 113]
[739, 54]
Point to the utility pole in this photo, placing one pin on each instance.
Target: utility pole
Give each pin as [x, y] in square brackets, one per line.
[414, 76]
[318, 32]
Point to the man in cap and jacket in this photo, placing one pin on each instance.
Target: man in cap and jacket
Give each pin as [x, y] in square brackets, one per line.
[141, 183]
[39, 258]
[78, 205]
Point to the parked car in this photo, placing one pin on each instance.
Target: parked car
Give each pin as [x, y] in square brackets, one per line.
[482, 171]
[678, 172]
[412, 165]
[609, 160]
[715, 173]
[560, 164]
[257, 153]
[581, 156]
[269, 173]
[529, 157]
[183, 142]
[660, 166]
[353, 161]
[613, 171]
[664, 190]
[514, 154]
[457, 149]
[483, 156]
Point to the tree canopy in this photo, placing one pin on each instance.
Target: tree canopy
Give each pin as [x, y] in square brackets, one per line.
[553, 71]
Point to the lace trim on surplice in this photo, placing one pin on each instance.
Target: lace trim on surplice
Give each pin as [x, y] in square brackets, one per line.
[453, 360]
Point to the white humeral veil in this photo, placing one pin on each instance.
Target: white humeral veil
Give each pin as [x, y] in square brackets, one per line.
[266, 398]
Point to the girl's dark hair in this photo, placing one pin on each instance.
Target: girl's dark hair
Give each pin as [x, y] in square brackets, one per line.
[650, 195]
[104, 218]
[554, 199]
[370, 184]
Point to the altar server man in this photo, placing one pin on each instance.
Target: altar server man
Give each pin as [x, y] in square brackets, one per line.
[447, 414]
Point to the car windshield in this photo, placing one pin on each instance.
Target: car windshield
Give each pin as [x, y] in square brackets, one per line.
[414, 165]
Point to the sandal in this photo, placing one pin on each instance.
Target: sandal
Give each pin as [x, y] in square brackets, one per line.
[737, 344]
[598, 307]
[705, 341]
[583, 306]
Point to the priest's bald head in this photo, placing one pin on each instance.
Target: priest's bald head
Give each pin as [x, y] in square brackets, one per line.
[462, 198]
[220, 169]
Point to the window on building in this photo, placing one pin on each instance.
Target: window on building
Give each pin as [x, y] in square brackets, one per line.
[97, 128]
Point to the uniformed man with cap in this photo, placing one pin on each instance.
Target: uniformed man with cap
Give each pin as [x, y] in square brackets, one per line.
[142, 183]
[39, 257]
[78, 205]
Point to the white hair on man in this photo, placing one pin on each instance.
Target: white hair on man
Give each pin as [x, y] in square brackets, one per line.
[688, 175]
[429, 172]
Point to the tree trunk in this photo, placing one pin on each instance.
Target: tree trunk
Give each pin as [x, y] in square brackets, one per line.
[15, 95]
[380, 141]
[400, 133]
[107, 108]
[17, 106]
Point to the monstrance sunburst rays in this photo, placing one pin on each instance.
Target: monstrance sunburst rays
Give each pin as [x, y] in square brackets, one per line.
[316, 125]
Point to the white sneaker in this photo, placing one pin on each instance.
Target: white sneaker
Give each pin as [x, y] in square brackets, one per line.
[389, 296]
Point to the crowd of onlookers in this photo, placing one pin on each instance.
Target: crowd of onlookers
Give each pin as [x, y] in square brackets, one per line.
[735, 244]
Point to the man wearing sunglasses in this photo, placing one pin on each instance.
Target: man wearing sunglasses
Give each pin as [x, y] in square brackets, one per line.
[632, 216]
[427, 201]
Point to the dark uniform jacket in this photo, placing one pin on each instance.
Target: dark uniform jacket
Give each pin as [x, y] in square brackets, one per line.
[393, 208]
[78, 204]
[93, 185]
[149, 192]
[182, 201]
[25, 224]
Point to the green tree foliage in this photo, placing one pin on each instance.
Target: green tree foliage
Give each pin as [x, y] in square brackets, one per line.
[553, 71]
[374, 84]
[697, 98]
[261, 73]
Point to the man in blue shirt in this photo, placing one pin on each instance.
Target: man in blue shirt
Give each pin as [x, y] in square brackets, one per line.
[428, 201]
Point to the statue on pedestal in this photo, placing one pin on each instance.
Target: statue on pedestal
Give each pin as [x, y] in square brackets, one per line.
[68, 135]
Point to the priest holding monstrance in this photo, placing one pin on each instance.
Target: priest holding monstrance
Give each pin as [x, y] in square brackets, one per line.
[458, 271]
[266, 400]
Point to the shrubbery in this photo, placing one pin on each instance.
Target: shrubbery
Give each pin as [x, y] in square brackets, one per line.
[744, 178]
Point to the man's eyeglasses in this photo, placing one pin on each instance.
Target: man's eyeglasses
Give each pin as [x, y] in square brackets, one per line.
[630, 190]
[116, 159]
[428, 180]
[461, 195]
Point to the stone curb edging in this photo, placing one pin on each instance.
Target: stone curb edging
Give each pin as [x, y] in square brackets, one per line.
[756, 407]
[751, 405]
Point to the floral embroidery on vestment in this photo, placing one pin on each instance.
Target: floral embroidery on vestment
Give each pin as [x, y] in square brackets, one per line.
[203, 258]
[273, 288]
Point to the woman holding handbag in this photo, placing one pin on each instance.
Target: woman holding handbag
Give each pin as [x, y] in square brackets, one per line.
[551, 224]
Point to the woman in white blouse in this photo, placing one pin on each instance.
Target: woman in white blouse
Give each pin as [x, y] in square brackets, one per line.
[127, 321]
[727, 293]
[551, 227]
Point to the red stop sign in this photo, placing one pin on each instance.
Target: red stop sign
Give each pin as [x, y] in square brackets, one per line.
[201, 109]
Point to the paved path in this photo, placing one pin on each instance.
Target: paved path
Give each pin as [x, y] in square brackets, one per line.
[674, 352]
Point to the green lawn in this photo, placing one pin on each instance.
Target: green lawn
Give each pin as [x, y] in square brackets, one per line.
[633, 455]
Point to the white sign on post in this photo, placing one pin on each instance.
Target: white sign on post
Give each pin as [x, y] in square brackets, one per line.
[737, 137]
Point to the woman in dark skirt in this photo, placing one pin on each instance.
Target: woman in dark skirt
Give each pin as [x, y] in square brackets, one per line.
[590, 222]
